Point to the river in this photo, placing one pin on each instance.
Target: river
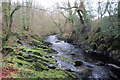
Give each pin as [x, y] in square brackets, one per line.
[89, 69]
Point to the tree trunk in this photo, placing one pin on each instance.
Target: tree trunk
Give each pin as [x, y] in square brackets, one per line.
[6, 8]
[119, 17]
[9, 25]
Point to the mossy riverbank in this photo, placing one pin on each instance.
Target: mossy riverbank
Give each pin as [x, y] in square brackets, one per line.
[34, 60]
[102, 45]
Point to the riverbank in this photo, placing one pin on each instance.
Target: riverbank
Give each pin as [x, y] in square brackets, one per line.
[54, 58]
[32, 59]
[98, 52]
[90, 68]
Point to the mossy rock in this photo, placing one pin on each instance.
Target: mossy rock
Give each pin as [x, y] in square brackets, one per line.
[48, 49]
[115, 45]
[102, 47]
[42, 46]
[35, 43]
[42, 40]
[40, 67]
[61, 37]
[38, 45]
[38, 70]
[17, 61]
[50, 73]
[93, 46]
[32, 63]
[108, 39]
[28, 50]
[7, 50]
[95, 38]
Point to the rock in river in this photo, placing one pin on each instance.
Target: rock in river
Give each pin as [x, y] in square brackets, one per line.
[78, 63]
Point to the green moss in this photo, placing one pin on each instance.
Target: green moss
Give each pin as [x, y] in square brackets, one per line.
[35, 43]
[44, 73]
[31, 62]
[41, 58]
[24, 48]
[28, 50]
[102, 47]
[64, 58]
[61, 37]
[8, 49]
[47, 49]
[15, 60]
[39, 42]
[115, 45]
[41, 45]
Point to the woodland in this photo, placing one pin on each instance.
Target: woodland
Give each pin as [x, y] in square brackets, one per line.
[77, 40]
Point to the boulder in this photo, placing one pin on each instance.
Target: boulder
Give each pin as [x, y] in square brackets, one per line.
[69, 70]
[51, 67]
[94, 46]
[72, 54]
[78, 63]
[102, 47]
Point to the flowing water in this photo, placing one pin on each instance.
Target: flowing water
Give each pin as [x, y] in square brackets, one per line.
[90, 69]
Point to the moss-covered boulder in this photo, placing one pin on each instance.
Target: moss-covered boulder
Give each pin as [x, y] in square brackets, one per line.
[93, 46]
[102, 47]
[115, 45]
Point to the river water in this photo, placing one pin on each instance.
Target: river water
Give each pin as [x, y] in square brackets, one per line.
[90, 69]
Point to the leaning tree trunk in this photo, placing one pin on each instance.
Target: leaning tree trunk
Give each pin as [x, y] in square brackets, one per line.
[83, 15]
[9, 25]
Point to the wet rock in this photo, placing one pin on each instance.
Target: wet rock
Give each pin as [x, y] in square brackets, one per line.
[102, 47]
[57, 41]
[86, 37]
[108, 39]
[116, 45]
[20, 64]
[100, 63]
[115, 69]
[48, 56]
[72, 54]
[69, 70]
[86, 71]
[19, 42]
[29, 60]
[78, 63]
[94, 46]
[102, 41]
[7, 49]
[89, 66]
[51, 67]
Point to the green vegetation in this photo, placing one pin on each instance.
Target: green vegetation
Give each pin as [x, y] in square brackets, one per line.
[26, 24]
[31, 62]
[101, 34]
